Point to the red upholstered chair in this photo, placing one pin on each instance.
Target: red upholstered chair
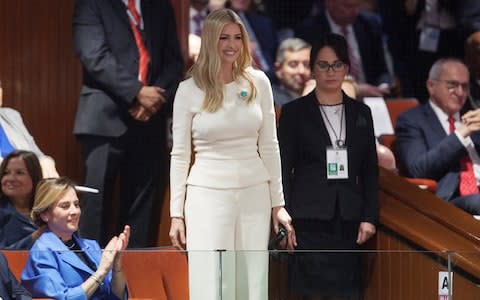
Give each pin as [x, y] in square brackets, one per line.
[160, 273]
[395, 107]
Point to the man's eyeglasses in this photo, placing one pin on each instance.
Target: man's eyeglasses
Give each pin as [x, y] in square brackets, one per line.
[335, 66]
[454, 85]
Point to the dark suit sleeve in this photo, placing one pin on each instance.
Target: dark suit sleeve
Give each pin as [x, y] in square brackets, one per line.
[172, 67]
[417, 157]
[10, 283]
[98, 61]
[468, 15]
[288, 147]
[369, 174]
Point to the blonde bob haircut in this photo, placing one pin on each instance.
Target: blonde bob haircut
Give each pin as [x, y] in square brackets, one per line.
[206, 70]
[47, 194]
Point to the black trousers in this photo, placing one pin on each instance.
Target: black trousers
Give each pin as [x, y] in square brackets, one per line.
[135, 158]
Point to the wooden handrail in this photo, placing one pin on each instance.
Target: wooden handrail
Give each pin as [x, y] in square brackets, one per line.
[429, 222]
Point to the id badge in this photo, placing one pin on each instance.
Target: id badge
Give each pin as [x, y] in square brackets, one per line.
[429, 37]
[337, 163]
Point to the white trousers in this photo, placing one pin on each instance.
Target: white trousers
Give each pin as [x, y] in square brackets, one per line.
[234, 220]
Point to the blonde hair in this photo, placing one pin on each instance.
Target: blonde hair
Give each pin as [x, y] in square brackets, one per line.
[206, 70]
[47, 194]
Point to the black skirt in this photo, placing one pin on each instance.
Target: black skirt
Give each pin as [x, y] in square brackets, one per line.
[325, 263]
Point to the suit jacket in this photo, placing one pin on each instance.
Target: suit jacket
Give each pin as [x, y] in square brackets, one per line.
[106, 47]
[369, 38]
[15, 229]
[267, 39]
[9, 286]
[16, 132]
[54, 271]
[303, 141]
[280, 95]
[425, 150]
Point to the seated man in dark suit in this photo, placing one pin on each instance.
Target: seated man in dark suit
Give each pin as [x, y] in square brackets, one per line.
[363, 33]
[9, 286]
[435, 141]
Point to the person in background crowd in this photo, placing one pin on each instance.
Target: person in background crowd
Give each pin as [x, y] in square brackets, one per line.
[263, 37]
[472, 60]
[363, 32]
[435, 141]
[20, 172]
[130, 73]
[292, 67]
[15, 136]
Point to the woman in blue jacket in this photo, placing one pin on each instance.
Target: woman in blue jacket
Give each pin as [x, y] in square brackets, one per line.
[62, 265]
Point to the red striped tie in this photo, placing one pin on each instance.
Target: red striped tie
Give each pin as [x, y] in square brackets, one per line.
[468, 182]
[142, 50]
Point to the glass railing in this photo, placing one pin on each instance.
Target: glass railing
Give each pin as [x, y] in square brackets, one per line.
[165, 273]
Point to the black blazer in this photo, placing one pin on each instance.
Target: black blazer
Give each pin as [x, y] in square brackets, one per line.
[107, 50]
[303, 139]
[9, 286]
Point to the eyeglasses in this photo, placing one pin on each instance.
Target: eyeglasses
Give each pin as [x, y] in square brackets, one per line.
[454, 85]
[335, 66]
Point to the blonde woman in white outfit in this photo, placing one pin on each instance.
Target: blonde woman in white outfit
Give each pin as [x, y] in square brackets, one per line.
[224, 113]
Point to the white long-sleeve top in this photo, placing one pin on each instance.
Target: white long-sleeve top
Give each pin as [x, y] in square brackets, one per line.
[234, 147]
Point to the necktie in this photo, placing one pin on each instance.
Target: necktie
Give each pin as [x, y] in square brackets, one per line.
[198, 19]
[468, 182]
[354, 66]
[144, 60]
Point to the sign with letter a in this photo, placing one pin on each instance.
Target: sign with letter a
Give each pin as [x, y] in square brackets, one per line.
[444, 285]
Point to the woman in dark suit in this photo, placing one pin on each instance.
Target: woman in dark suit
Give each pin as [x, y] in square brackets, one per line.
[20, 172]
[329, 168]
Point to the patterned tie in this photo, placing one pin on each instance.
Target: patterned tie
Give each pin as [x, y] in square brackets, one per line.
[135, 21]
[354, 66]
[468, 182]
[198, 19]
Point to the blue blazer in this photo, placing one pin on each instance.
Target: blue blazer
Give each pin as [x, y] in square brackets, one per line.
[53, 271]
[15, 229]
[9, 286]
[425, 150]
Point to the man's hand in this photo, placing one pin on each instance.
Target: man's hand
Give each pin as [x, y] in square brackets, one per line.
[367, 90]
[139, 113]
[151, 97]
[470, 123]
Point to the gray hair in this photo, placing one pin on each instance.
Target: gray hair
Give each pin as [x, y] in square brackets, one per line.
[437, 68]
[292, 45]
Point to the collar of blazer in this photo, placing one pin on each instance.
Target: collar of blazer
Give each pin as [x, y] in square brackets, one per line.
[67, 255]
[351, 119]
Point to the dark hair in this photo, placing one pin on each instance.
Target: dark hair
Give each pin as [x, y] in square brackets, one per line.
[31, 163]
[336, 42]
